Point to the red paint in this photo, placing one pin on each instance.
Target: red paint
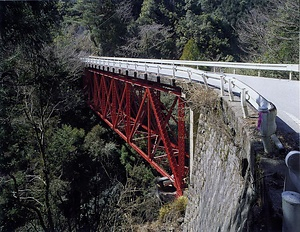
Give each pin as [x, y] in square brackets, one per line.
[132, 108]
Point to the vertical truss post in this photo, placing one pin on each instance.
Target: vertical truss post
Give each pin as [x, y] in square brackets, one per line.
[149, 129]
[127, 108]
[103, 95]
[114, 102]
[181, 140]
[86, 84]
[95, 90]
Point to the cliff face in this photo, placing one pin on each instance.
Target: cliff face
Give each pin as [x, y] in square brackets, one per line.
[222, 186]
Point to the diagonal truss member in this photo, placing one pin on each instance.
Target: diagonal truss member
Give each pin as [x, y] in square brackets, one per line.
[133, 108]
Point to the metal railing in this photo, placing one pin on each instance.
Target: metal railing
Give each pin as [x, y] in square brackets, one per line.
[233, 65]
[176, 70]
[188, 70]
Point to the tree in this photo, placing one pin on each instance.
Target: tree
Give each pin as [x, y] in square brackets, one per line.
[28, 24]
[149, 41]
[106, 22]
[54, 176]
[212, 37]
[191, 51]
[37, 78]
[272, 37]
[147, 15]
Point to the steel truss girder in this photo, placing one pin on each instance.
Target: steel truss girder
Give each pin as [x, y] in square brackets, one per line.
[132, 107]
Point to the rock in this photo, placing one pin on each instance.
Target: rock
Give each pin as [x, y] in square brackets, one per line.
[180, 220]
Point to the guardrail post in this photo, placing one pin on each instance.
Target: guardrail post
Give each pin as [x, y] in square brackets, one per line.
[291, 195]
[190, 75]
[243, 103]
[222, 85]
[266, 130]
[230, 90]
[174, 69]
[205, 80]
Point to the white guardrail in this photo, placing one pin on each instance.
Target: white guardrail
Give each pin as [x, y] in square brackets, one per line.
[188, 70]
[184, 70]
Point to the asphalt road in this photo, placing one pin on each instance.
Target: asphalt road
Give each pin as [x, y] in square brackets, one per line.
[284, 94]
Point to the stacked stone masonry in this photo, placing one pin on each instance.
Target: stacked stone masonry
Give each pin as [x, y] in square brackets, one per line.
[221, 187]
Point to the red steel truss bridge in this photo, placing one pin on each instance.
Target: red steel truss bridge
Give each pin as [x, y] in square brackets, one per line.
[148, 115]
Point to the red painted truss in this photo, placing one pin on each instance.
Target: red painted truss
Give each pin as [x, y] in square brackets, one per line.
[148, 115]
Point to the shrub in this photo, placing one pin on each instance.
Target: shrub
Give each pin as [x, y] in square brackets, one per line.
[172, 211]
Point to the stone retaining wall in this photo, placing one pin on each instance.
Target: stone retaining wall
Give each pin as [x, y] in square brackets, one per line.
[221, 188]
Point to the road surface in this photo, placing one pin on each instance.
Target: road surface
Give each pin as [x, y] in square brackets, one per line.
[284, 94]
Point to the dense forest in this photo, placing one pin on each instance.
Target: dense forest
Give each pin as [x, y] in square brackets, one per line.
[61, 168]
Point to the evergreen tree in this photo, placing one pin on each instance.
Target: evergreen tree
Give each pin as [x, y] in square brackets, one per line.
[212, 37]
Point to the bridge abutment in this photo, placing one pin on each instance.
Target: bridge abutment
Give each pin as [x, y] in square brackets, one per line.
[225, 179]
